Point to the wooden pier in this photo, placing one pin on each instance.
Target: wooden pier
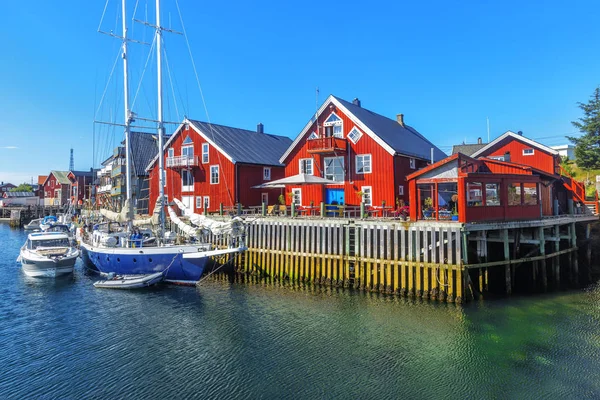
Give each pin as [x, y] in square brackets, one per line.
[444, 261]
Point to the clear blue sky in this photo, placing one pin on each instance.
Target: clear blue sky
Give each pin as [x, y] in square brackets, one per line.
[447, 65]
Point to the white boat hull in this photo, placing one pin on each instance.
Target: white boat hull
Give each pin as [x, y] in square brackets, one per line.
[37, 267]
[130, 281]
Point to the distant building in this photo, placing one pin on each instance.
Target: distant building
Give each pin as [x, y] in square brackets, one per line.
[5, 187]
[468, 149]
[565, 150]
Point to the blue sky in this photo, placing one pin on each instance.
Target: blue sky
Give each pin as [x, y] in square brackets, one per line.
[445, 65]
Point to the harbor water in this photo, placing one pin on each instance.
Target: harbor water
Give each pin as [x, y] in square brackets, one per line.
[64, 339]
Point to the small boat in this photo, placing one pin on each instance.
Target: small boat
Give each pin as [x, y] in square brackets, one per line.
[33, 224]
[48, 254]
[132, 281]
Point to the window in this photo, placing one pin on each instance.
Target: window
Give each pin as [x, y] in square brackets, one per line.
[474, 194]
[363, 164]
[267, 173]
[214, 174]
[334, 168]
[334, 126]
[354, 135]
[187, 151]
[401, 190]
[206, 202]
[313, 135]
[367, 197]
[514, 194]
[187, 140]
[170, 153]
[297, 196]
[499, 158]
[204, 153]
[187, 181]
[413, 164]
[530, 194]
[198, 201]
[492, 194]
[306, 166]
[528, 152]
[264, 198]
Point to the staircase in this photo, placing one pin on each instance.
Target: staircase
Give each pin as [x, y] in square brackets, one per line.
[578, 190]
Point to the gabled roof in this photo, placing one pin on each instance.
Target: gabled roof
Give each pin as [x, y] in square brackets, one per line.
[144, 147]
[82, 173]
[467, 149]
[237, 145]
[42, 179]
[7, 185]
[521, 138]
[60, 176]
[436, 165]
[388, 133]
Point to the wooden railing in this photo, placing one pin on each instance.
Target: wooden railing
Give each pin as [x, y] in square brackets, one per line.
[326, 145]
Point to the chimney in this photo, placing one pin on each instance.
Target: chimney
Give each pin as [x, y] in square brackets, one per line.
[520, 133]
[260, 128]
[479, 140]
[507, 156]
[356, 101]
[400, 119]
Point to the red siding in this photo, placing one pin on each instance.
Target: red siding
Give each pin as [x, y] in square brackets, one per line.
[387, 171]
[540, 159]
[51, 185]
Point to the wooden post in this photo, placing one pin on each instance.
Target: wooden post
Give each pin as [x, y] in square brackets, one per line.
[574, 254]
[263, 210]
[556, 259]
[322, 210]
[588, 251]
[507, 272]
[221, 209]
[542, 264]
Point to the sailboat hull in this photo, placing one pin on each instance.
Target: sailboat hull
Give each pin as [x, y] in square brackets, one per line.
[148, 260]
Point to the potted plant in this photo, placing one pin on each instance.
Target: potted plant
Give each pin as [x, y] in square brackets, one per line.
[281, 200]
[428, 207]
[360, 195]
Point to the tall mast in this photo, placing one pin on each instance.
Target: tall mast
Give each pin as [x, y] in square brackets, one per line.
[161, 167]
[127, 117]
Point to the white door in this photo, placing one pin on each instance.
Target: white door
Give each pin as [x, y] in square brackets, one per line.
[188, 201]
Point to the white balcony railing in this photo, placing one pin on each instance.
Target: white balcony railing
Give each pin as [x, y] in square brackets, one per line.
[104, 188]
[182, 161]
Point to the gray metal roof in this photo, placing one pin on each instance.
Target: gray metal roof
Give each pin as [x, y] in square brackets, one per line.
[144, 147]
[467, 149]
[404, 140]
[19, 194]
[244, 146]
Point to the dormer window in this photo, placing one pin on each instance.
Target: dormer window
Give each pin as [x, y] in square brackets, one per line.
[528, 152]
[354, 135]
[334, 126]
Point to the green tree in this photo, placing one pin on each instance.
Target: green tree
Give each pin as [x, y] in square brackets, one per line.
[587, 146]
[23, 187]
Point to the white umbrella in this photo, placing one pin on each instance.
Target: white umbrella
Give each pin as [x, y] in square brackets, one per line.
[300, 179]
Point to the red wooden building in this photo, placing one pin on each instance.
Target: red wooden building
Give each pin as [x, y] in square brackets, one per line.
[366, 154]
[465, 189]
[209, 164]
[62, 187]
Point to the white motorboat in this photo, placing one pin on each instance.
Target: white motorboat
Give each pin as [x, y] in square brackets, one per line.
[48, 254]
[132, 281]
[33, 224]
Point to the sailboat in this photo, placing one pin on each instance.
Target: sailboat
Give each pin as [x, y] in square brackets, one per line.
[122, 250]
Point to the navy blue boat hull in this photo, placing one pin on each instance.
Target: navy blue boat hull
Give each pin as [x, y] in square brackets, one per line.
[126, 261]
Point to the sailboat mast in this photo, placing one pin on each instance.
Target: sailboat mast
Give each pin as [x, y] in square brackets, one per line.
[127, 116]
[161, 167]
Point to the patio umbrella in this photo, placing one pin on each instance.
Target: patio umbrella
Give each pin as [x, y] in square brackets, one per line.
[300, 179]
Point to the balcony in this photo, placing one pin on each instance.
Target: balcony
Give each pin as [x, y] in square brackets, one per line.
[105, 188]
[117, 190]
[118, 170]
[326, 145]
[182, 162]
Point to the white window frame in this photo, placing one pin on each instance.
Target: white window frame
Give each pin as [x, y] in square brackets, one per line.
[264, 198]
[528, 154]
[198, 202]
[185, 151]
[190, 183]
[337, 126]
[313, 135]
[413, 163]
[367, 196]
[325, 172]
[297, 196]
[171, 152]
[266, 173]
[216, 167]
[206, 201]
[400, 190]
[205, 153]
[363, 157]
[304, 169]
[354, 138]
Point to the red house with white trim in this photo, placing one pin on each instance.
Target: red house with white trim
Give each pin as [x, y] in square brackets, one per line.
[365, 153]
[209, 164]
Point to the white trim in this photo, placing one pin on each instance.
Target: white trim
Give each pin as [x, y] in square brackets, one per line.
[400, 190]
[517, 137]
[184, 187]
[207, 153]
[265, 177]
[297, 191]
[359, 135]
[362, 189]
[210, 174]
[528, 154]
[413, 163]
[334, 165]
[198, 202]
[312, 169]
[206, 201]
[352, 117]
[370, 164]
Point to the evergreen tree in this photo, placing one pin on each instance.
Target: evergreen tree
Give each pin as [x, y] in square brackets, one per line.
[587, 146]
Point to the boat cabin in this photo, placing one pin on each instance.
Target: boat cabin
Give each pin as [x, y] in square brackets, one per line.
[463, 189]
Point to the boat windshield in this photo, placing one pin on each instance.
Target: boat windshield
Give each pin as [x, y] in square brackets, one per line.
[34, 244]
